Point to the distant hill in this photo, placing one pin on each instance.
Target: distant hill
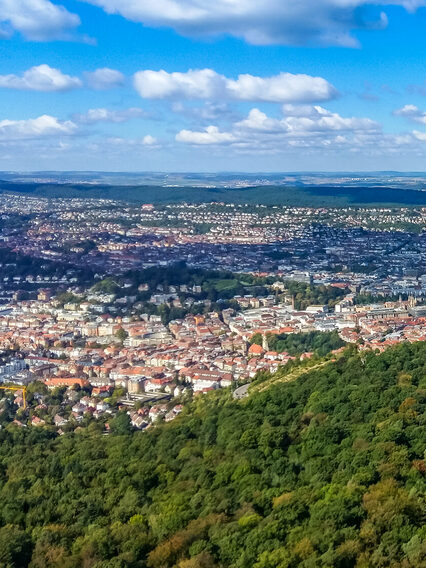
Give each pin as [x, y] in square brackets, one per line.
[308, 196]
[327, 471]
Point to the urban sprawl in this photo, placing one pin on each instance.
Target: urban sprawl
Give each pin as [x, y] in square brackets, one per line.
[109, 307]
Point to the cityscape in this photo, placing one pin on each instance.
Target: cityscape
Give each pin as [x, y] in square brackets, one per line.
[212, 284]
[126, 302]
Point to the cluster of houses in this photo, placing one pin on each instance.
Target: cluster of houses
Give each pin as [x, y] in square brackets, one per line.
[154, 364]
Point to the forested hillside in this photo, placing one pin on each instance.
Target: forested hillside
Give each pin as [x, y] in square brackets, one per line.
[319, 342]
[327, 471]
[297, 196]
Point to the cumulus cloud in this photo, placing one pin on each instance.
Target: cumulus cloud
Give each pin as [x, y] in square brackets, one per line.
[301, 126]
[34, 128]
[133, 143]
[207, 84]
[40, 78]
[421, 136]
[301, 22]
[413, 113]
[305, 120]
[46, 78]
[284, 87]
[105, 78]
[149, 140]
[95, 115]
[211, 135]
[37, 20]
[198, 84]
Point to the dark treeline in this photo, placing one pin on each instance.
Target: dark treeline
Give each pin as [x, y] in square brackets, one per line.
[365, 299]
[305, 294]
[327, 471]
[306, 196]
[217, 286]
[221, 283]
[295, 344]
[17, 264]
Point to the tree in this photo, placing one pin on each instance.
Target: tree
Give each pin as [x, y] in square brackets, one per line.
[120, 424]
[121, 334]
[15, 547]
[327, 470]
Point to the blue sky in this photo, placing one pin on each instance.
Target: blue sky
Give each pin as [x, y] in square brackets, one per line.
[195, 85]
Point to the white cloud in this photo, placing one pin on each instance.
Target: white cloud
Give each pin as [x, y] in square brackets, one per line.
[413, 113]
[211, 135]
[33, 128]
[421, 136]
[284, 87]
[198, 84]
[294, 22]
[207, 84]
[304, 126]
[258, 120]
[40, 78]
[305, 120]
[37, 20]
[46, 78]
[149, 140]
[95, 115]
[105, 78]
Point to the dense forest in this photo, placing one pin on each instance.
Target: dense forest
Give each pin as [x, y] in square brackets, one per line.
[294, 344]
[298, 196]
[327, 471]
[305, 294]
[217, 284]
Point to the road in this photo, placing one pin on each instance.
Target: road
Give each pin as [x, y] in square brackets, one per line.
[241, 392]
